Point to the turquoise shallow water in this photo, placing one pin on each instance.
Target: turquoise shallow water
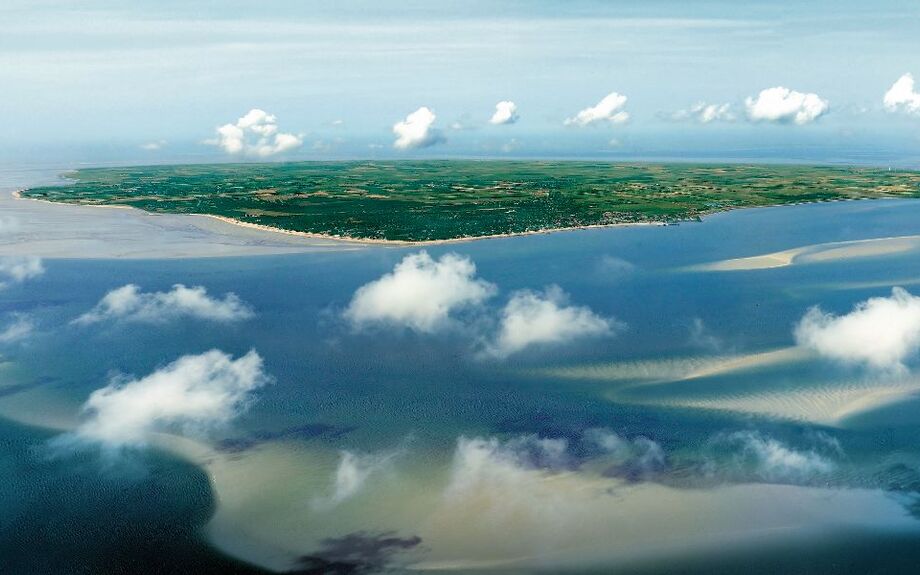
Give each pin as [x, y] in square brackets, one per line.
[392, 391]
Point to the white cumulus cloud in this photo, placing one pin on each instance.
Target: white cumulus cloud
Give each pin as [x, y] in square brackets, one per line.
[783, 105]
[706, 113]
[417, 130]
[531, 318]
[420, 293]
[902, 96]
[505, 113]
[17, 269]
[881, 332]
[191, 395]
[610, 109]
[255, 134]
[131, 304]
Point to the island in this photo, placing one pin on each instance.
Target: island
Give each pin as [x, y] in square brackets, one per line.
[442, 200]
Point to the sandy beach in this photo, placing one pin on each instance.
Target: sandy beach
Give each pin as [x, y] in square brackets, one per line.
[286, 237]
[53, 230]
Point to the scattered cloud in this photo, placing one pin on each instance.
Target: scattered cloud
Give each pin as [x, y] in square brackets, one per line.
[881, 332]
[191, 395]
[705, 113]
[19, 328]
[902, 96]
[531, 318]
[782, 105]
[505, 113]
[153, 146]
[352, 474]
[417, 130]
[255, 134]
[129, 303]
[610, 109]
[767, 459]
[420, 293]
[17, 269]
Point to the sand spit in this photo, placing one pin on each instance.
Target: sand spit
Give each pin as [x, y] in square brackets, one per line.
[678, 369]
[55, 230]
[824, 404]
[817, 253]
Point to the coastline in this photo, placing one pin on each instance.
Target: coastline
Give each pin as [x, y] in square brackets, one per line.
[17, 194]
[359, 242]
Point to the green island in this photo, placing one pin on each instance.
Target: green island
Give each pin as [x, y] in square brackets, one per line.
[417, 201]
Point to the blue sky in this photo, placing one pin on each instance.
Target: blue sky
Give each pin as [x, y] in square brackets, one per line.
[105, 78]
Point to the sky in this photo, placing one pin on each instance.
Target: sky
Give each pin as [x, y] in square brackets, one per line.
[152, 81]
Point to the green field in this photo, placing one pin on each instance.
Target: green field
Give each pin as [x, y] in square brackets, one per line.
[436, 200]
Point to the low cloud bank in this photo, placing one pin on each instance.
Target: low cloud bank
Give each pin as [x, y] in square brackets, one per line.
[782, 105]
[881, 332]
[191, 395]
[531, 318]
[417, 130]
[129, 303]
[420, 293]
[255, 134]
[609, 109]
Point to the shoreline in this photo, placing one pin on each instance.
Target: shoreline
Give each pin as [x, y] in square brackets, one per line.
[17, 194]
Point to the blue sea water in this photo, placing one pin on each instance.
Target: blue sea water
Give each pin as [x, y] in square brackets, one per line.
[367, 391]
